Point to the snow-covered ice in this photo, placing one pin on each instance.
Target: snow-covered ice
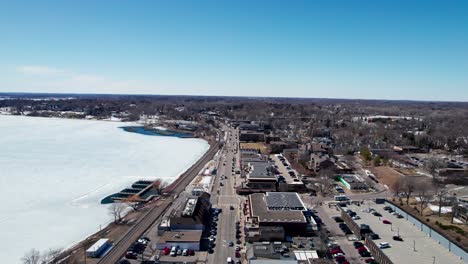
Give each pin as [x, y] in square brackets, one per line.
[54, 172]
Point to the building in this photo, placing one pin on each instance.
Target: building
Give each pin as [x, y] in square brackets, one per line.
[283, 211]
[192, 215]
[183, 239]
[251, 136]
[352, 182]
[258, 173]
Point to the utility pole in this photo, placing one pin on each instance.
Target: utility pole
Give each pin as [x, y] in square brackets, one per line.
[433, 259]
[414, 245]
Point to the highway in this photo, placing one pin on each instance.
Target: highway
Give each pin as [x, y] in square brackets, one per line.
[225, 199]
[121, 246]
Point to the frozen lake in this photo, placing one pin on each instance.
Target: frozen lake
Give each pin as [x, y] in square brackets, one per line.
[54, 172]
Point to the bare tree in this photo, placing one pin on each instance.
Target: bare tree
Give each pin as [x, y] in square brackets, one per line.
[116, 210]
[133, 201]
[159, 185]
[441, 193]
[407, 185]
[423, 192]
[51, 255]
[325, 177]
[33, 256]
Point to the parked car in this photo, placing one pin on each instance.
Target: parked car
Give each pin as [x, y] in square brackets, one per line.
[357, 244]
[384, 245]
[397, 238]
[386, 222]
[231, 244]
[374, 236]
[377, 214]
[131, 255]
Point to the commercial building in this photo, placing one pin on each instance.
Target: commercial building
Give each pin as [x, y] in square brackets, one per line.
[191, 215]
[182, 239]
[251, 136]
[258, 174]
[352, 182]
[274, 215]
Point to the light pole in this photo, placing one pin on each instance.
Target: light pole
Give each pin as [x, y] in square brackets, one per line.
[433, 259]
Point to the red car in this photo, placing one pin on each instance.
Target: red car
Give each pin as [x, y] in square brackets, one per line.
[361, 248]
[335, 251]
[238, 255]
[386, 222]
[369, 260]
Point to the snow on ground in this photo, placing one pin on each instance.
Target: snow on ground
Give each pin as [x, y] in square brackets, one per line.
[54, 172]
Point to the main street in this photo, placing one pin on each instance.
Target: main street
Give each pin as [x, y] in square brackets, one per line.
[224, 197]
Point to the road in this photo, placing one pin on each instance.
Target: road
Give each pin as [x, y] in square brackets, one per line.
[225, 199]
[121, 246]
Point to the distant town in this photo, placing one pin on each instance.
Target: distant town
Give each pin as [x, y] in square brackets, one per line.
[285, 180]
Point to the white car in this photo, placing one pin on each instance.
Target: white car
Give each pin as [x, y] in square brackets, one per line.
[357, 217]
[384, 245]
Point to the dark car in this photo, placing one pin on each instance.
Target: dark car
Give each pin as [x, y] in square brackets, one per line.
[399, 216]
[358, 244]
[131, 255]
[338, 219]
[364, 254]
[377, 214]
[374, 236]
[397, 238]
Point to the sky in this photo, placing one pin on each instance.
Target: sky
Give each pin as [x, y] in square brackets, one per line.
[386, 49]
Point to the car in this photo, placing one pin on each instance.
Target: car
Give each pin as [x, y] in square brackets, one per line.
[357, 244]
[357, 217]
[237, 254]
[238, 242]
[361, 248]
[191, 252]
[238, 248]
[185, 252]
[364, 253]
[383, 245]
[179, 251]
[374, 236]
[398, 238]
[210, 251]
[369, 260]
[231, 244]
[335, 251]
[399, 216]
[238, 261]
[386, 208]
[124, 261]
[338, 219]
[377, 214]
[338, 255]
[386, 222]
[131, 255]
[232, 207]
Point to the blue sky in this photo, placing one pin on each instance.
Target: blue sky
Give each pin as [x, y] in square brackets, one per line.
[334, 49]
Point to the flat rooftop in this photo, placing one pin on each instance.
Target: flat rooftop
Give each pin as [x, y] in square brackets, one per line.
[284, 201]
[260, 170]
[182, 236]
[402, 252]
[259, 208]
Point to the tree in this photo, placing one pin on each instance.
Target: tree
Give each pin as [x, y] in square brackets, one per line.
[440, 193]
[116, 210]
[33, 256]
[377, 161]
[159, 185]
[133, 201]
[422, 190]
[325, 176]
[407, 186]
[366, 155]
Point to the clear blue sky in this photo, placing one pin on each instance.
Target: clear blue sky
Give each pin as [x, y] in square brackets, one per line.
[335, 49]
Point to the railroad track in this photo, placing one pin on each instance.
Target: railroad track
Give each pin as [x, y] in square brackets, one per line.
[145, 222]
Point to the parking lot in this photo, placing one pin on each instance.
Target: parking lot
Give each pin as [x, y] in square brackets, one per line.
[337, 235]
[414, 247]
